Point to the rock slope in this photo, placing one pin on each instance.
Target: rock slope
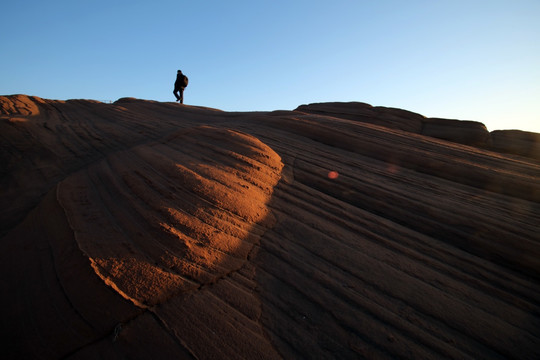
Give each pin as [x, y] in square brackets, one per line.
[464, 132]
[156, 230]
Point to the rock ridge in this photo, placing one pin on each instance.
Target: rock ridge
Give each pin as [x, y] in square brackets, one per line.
[467, 132]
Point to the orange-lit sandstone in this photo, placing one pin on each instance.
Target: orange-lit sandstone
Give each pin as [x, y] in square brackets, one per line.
[153, 230]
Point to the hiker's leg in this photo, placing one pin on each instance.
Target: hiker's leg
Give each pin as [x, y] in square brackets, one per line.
[176, 95]
[181, 95]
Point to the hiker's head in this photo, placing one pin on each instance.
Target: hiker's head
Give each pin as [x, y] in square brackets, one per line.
[179, 71]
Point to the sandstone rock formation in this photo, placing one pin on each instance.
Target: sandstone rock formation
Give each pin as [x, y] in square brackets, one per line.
[464, 132]
[144, 230]
[388, 117]
[517, 142]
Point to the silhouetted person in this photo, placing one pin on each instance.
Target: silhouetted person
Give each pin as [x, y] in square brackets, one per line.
[179, 86]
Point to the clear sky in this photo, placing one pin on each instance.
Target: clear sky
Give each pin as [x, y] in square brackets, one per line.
[461, 59]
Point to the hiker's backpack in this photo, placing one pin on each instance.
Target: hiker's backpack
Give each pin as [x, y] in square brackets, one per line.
[185, 80]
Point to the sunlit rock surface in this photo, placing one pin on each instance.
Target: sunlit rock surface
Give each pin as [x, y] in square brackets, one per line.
[142, 229]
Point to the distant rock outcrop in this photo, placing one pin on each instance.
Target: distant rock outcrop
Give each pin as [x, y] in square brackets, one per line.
[383, 116]
[516, 142]
[465, 132]
[471, 133]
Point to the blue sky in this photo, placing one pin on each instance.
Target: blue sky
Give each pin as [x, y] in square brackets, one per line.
[462, 59]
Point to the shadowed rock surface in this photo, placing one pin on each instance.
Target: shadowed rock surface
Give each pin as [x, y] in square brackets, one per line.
[464, 132]
[144, 230]
[517, 142]
[377, 115]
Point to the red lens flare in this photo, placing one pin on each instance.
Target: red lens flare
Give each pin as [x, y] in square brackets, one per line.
[333, 175]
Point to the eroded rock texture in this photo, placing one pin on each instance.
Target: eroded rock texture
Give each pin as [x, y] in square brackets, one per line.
[156, 230]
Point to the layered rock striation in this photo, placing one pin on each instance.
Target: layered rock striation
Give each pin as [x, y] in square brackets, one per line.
[142, 229]
[472, 133]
